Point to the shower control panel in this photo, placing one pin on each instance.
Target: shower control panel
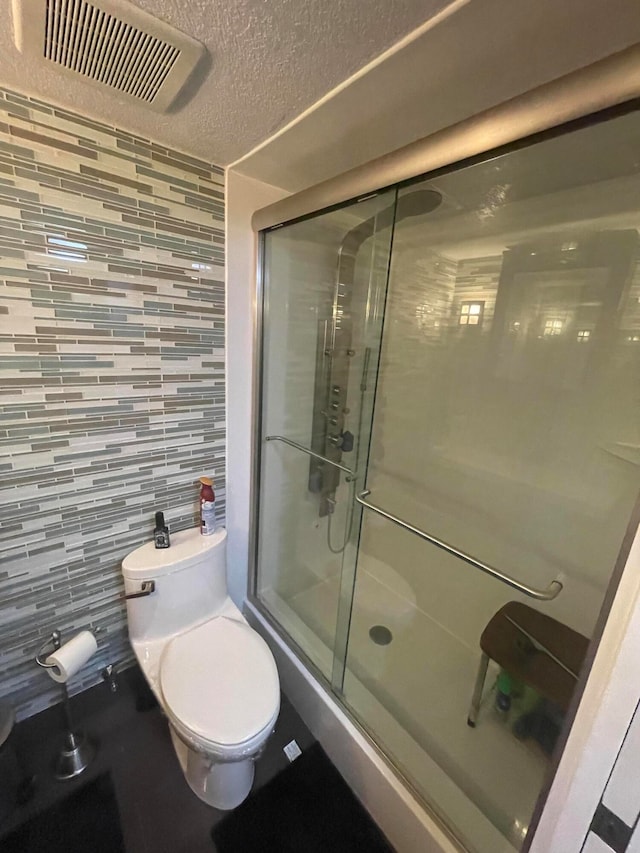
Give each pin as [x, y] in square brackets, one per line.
[329, 437]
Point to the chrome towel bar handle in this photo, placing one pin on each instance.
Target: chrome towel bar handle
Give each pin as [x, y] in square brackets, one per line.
[351, 475]
[548, 594]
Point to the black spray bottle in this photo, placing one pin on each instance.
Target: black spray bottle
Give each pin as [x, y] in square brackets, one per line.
[161, 533]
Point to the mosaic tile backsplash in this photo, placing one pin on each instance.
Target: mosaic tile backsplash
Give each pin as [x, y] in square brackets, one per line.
[112, 372]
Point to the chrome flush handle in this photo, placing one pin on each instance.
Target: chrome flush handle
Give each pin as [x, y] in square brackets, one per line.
[147, 588]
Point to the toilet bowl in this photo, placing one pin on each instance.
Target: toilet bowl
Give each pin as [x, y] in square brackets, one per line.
[213, 675]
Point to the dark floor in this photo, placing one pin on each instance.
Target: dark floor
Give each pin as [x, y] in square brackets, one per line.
[158, 811]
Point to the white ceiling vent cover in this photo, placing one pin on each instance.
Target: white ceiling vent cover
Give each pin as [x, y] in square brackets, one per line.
[112, 43]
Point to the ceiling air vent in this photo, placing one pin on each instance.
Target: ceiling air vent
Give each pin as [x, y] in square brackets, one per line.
[112, 43]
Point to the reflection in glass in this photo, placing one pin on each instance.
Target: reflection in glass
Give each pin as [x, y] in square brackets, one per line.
[506, 423]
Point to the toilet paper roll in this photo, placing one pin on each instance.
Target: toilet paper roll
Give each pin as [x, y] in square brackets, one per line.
[70, 657]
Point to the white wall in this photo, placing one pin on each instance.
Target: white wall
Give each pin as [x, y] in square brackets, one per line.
[244, 196]
[604, 715]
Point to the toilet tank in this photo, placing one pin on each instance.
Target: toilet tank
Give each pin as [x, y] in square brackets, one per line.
[190, 581]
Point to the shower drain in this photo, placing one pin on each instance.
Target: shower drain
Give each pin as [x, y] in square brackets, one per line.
[380, 635]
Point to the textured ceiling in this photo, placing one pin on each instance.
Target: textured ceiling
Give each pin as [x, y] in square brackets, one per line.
[483, 53]
[268, 61]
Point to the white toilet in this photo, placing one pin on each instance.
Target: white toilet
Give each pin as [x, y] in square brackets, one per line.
[214, 676]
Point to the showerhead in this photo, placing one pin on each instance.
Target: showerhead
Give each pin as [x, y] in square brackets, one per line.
[417, 203]
[412, 204]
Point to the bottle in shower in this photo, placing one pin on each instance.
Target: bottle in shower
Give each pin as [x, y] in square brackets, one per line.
[207, 507]
[504, 690]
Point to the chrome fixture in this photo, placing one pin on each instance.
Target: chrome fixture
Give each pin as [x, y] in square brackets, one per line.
[329, 438]
[55, 642]
[147, 588]
[109, 676]
[351, 475]
[548, 594]
[77, 751]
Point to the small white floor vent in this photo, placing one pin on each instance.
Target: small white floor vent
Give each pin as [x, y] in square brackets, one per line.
[111, 42]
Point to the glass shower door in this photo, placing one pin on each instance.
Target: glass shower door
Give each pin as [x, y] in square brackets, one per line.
[507, 425]
[324, 289]
[450, 457]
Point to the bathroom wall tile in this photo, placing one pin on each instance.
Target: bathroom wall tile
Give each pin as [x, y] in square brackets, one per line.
[594, 844]
[622, 794]
[111, 371]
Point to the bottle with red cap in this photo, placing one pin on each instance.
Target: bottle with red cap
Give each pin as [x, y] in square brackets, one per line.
[207, 507]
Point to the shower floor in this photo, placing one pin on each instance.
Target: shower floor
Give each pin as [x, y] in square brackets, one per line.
[413, 694]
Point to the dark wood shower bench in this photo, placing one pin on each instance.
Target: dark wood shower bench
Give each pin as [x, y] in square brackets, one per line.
[534, 649]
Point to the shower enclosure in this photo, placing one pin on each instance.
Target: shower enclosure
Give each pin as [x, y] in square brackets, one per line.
[449, 455]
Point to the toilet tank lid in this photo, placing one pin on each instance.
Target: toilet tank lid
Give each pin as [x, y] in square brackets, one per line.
[187, 548]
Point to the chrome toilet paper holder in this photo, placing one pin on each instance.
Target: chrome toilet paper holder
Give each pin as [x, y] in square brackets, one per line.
[77, 751]
[55, 640]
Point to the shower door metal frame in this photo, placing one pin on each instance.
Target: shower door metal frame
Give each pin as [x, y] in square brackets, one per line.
[582, 94]
[600, 91]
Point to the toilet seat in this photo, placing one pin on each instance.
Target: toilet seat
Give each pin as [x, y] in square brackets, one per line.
[220, 687]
